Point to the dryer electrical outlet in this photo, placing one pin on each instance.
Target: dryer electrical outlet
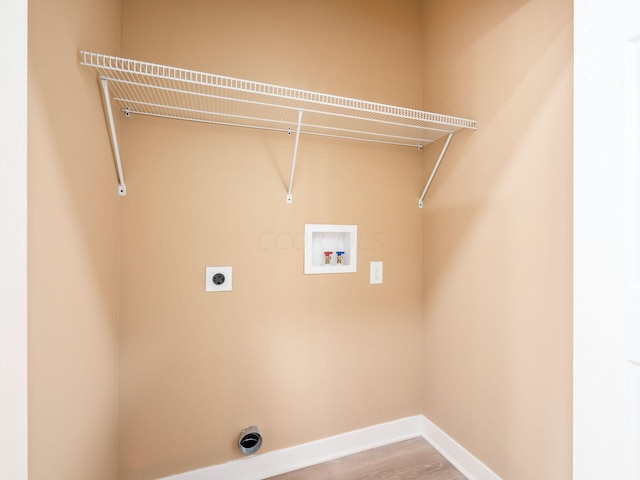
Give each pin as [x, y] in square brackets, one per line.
[218, 279]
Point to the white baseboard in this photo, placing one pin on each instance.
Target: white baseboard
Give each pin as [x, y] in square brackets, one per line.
[458, 456]
[260, 466]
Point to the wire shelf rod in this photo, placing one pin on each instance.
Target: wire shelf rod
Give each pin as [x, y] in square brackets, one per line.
[303, 126]
[199, 111]
[371, 140]
[360, 134]
[275, 129]
[212, 122]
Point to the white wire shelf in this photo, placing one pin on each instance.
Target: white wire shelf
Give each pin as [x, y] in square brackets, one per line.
[163, 91]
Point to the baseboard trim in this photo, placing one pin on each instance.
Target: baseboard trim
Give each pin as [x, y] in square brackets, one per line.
[458, 456]
[258, 467]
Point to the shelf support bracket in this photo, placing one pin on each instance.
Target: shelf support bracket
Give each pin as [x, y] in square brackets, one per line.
[435, 169]
[295, 153]
[104, 87]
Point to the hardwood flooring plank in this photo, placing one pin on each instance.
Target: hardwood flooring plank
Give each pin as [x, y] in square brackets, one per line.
[411, 459]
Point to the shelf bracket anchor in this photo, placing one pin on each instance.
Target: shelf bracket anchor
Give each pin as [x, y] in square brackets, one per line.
[104, 87]
[435, 169]
[295, 153]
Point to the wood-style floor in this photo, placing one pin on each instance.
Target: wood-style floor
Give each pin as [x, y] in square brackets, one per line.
[411, 459]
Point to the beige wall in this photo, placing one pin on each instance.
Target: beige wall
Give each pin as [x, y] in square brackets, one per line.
[73, 226]
[476, 303]
[303, 357]
[497, 234]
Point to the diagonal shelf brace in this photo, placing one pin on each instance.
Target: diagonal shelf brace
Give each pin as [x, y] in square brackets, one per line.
[293, 162]
[104, 88]
[435, 168]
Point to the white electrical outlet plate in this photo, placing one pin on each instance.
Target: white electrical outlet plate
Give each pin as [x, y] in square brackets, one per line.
[218, 279]
[375, 273]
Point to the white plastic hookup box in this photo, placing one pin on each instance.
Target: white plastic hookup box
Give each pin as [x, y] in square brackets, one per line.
[330, 248]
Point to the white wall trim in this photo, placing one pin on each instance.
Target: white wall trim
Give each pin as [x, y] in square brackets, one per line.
[458, 456]
[13, 240]
[266, 465]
